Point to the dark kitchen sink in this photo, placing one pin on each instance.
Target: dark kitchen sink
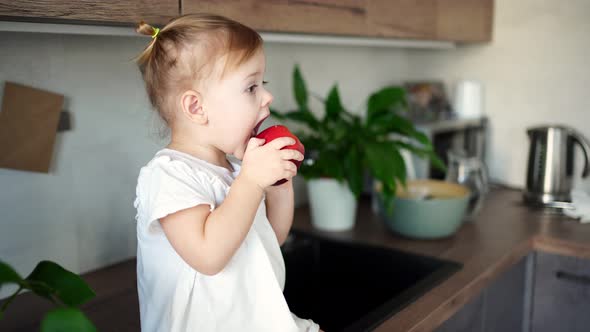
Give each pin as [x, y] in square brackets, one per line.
[346, 286]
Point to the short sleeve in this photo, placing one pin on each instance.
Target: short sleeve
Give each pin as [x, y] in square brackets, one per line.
[167, 186]
[305, 325]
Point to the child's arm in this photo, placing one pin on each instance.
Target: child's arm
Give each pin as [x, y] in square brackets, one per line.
[280, 208]
[208, 240]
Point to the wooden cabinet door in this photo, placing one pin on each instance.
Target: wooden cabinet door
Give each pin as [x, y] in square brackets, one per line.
[415, 19]
[464, 20]
[103, 11]
[451, 20]
[505, 300]
[561, 295]
[468, 319]
[336, 17]
[500, 307]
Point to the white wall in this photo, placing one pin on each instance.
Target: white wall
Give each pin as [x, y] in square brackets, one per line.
[81, 214]
[536, 71]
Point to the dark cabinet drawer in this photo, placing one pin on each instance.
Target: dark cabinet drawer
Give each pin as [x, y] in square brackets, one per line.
[498, 308]
[467, 319]
[561, 296]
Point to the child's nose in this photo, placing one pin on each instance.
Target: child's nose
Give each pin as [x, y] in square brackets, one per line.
[267, 100]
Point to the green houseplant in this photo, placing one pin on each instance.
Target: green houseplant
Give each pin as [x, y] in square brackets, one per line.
[63, 288]
[344, 146]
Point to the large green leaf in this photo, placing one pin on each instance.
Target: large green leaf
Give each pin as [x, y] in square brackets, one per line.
[427, 152]
[8, 275]
[336, 130]
[299, 89]
[42, 289]
[329, 163]
[66, 320]
[386, 164]
[333, 105]
[354, 171]
[400, 170]
[385, 100]
[419, 136]
[437, 162]
[387, 123]
[69, 287]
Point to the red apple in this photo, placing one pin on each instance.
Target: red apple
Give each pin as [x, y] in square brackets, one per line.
[274, 132]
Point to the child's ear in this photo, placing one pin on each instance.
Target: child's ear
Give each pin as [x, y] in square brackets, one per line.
[192, 107]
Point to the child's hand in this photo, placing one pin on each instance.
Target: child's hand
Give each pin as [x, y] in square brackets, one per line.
[265, 164]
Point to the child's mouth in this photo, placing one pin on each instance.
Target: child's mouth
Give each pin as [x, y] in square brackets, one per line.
[257, 127]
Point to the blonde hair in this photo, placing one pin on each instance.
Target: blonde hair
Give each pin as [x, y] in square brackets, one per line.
[182, 53]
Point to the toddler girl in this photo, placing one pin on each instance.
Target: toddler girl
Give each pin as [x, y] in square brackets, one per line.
[209, 228]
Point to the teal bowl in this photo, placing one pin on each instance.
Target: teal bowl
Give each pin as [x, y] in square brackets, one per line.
[426, 209]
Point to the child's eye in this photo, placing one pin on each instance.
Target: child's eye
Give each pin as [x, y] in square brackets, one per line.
[252, 88]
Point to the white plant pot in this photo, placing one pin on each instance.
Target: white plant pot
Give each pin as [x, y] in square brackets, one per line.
[332, 204]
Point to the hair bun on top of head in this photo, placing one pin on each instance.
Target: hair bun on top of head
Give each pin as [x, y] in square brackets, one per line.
[147, 30]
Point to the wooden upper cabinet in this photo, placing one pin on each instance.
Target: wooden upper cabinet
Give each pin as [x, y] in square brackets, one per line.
[451, 20]
[412, 19]
[104, 11]
[465, 20]
[334, 17]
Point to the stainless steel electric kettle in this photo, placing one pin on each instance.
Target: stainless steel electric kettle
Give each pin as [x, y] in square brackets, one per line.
[551, 165]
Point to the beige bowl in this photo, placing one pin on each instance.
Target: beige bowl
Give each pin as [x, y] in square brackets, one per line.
[431, 189]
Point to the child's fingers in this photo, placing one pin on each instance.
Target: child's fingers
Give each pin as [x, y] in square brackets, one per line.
[281, 142]
[290, 168]
[289, 154]
[254, 143]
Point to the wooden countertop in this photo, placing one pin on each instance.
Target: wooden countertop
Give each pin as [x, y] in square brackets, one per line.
[504, 232]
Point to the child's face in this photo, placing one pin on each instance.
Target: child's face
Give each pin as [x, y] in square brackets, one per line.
[237, 105]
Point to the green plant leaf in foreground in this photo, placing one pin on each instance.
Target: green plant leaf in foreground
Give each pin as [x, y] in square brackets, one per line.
[66, 320]
[333, 104]
[354, 167]
[387, 165]
[384, 100]
[8, 275]
[299, 89]
[426, 153]
[68, 287]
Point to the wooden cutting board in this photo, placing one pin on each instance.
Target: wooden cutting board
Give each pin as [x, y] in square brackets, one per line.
[28, 125]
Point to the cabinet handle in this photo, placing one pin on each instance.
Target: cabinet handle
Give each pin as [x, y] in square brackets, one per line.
[581, 279]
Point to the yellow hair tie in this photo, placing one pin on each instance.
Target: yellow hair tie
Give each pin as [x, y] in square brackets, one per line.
[156, 32]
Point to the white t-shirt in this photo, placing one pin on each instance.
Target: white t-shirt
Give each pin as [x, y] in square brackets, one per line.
[247, 295]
